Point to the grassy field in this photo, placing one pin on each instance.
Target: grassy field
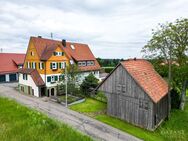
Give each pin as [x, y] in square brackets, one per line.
[19, 123]
[176, 129]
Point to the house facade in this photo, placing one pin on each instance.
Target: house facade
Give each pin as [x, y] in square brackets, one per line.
[46, 61]
[9, 65]
[136, 93]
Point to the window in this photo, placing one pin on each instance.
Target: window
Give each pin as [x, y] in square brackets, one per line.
[79, 63]
[34, 65]
[53, 65]
[28, 65]
[32, 53]
[72, 46]
[24, 76]
[58, 53]
[52, 79]
[82, 63]
[61, 77]
[123, 88]
[90, 63]
[62, 65]
[41, 65]
[143, 104]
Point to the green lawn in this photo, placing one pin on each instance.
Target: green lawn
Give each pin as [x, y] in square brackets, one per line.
[19, 123]
[176, 129]
[89, 106]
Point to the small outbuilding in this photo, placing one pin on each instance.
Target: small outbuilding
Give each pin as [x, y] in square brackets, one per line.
[136, 93]
[9, 65]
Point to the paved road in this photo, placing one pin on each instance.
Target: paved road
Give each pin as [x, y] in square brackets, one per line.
[87, 125]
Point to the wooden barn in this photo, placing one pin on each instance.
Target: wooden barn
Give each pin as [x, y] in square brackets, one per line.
[136, 93]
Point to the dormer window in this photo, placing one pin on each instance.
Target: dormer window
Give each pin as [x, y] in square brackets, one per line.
[82, 63]
[58, 53]
[90, 63]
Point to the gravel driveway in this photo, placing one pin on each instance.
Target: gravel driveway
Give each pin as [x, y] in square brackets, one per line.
[87, 125]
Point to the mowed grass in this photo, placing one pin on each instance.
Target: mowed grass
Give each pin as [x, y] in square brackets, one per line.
[175, 129]
[89, 106]
[19, 123]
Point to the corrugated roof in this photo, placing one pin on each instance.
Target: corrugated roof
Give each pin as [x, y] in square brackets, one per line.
[144, 74]
[9, 62]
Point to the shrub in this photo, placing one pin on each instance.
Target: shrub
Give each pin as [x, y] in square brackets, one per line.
[101, 97]
[89, 84]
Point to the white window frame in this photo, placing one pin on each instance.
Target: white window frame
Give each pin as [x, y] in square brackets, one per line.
[79, 63]
[52, 78]
[84, 63]
[58, 53]
[25, 76]
[34, 65]
[63, 65]
[54, 65]
[40, 65]
[32, 53]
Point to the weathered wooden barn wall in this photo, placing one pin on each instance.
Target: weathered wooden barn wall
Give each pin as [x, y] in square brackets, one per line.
[127, 100]
[160, 110]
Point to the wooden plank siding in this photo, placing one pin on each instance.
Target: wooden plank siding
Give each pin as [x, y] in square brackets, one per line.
[127, 100]
[160, 111]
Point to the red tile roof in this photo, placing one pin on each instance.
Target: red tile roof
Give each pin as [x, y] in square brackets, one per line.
[150, 81]
[81, 52]
[34, 74]
[9, 62]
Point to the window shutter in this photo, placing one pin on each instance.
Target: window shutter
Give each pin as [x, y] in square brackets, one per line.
[39, 65]
[57, 65]
[60, 78]
[54, 53]
[60, 65]
[62, 53]
[50, 65]
[42, 65]
[49, 79]
[65, 64]
[63, 77]
[56, 78]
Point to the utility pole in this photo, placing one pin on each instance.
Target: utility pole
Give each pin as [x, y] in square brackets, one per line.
[66, 86]
[169, 80]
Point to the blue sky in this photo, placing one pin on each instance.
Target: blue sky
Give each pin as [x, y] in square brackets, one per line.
[112, 28]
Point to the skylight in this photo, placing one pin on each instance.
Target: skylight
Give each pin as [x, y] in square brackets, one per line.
[72, 46]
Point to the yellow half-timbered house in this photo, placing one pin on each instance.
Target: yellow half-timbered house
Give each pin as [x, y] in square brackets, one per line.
[46, 61]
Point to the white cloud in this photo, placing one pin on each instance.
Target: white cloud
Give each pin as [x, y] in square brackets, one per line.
[113, 29]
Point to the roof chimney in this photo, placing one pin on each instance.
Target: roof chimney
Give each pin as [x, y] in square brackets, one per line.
[64, 42]
[39, 36]
[134, 58]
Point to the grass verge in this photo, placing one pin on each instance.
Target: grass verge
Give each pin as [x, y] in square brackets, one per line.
[19, 123]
